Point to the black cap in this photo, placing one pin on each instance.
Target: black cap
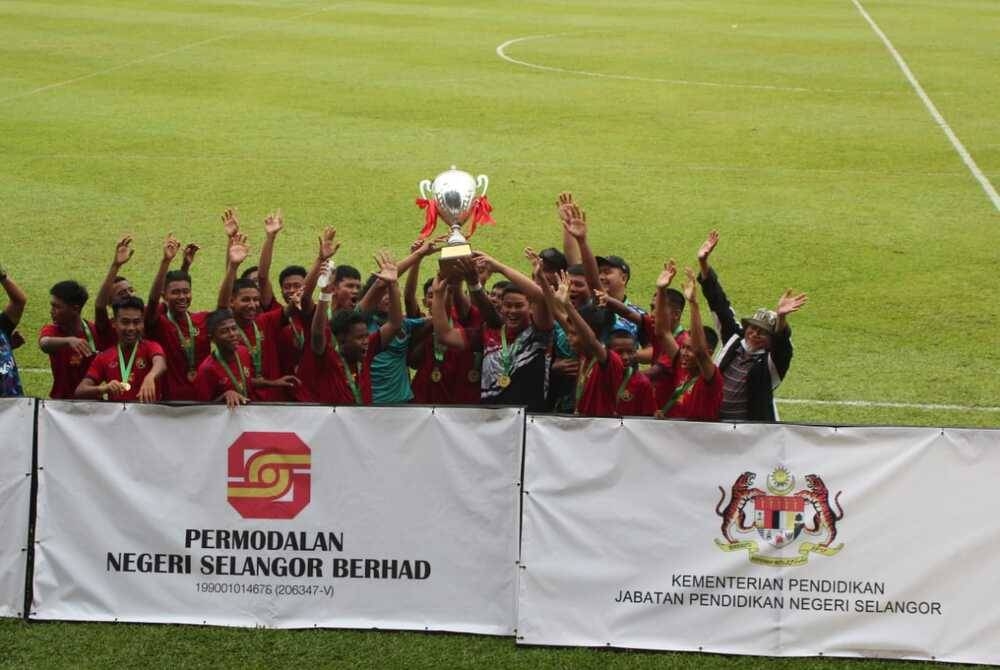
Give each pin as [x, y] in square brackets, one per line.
[615, 262]
[553, 258]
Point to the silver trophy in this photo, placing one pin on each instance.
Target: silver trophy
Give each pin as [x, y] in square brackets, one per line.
[456, 196]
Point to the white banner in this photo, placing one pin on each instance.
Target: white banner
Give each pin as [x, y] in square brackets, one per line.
[17, 429]
[841, 541]
[294, 516]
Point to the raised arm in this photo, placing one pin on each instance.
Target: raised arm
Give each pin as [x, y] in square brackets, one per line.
[170, 248]
[190, 251]
[487, 311]
[697, 331]
[618, 307]
[18, 299]
[317, 329]
[123, 252]
[705, 251]
[231, 225]
[238, 252]
[272, 226]
[328, 246]
[389, 275]
[445, 332]
[661, 328]
[575, 224]
[530, 289]
[590, 345]
[570, 247]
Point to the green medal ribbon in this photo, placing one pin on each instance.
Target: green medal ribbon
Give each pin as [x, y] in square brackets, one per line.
[297, 335]
[678, 392]
[351, 381]
[126, 370]
[438, 349]
[85, 327]
[624, 384]
[581, 383]
[507, 354]
[239, 386]
[255, 349]
[186, 342]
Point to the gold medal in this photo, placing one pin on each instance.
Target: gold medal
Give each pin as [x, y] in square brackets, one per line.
[626, 395]
[192, 374]
[127, 387]
[474, 376]
[503, 381]
[435, 375]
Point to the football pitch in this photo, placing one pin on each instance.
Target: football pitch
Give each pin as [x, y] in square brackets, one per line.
[849, 150]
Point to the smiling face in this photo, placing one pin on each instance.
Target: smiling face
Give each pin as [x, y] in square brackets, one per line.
[121, 289]
[623, 345]
[291, 285]
[226, 336]
[515, 310]
[177, 295]
[128, 325]
[613, 280]
[245, 304]
[757, 337]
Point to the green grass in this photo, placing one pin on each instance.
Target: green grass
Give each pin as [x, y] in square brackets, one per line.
[55, 645]
[847, 190]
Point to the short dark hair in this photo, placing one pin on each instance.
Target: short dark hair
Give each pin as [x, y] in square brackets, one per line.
[216, 318]
[242, 283]
[553, 257]
[118, 279]
[621, 332]
[346, 272]
[711, 337]
[249, 271]
[502, 284]
[598, 319]
[176, 275]
[511, 287]
[131, 302]
[576, 270]
[343, 319]
[291, 271]
[70, 292]
[675, 299]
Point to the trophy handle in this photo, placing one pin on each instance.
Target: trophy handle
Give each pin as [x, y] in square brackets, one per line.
[483, 182]
[425, 189]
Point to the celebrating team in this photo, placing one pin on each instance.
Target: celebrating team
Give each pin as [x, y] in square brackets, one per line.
[563, 338]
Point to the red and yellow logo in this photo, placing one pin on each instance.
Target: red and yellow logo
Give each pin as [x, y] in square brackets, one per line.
[269, 475]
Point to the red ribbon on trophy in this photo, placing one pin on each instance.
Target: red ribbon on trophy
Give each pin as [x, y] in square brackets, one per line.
[481, 209]
[430, 216]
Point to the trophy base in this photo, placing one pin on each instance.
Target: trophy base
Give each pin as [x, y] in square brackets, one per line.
[455, 251]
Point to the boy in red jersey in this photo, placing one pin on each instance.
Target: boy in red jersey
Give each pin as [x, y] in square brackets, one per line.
[70, 341]
[114, 289]
[129, 370]
[697, 395]
[602, 371]
[179, 331]
[228, 375]
[337, 370]
[259, 331]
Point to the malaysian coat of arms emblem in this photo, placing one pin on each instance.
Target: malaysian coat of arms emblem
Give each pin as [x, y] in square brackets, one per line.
[780, 517]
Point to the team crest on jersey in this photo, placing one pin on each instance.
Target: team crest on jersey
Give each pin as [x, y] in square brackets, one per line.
[781, 517]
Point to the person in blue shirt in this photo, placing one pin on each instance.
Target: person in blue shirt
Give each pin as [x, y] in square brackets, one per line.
[10, 379]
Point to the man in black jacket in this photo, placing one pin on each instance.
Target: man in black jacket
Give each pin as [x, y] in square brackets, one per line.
[757, 351]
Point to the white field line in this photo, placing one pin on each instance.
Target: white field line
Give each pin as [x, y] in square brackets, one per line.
[991, 192]
[797, 401]
[150, 58]
[502, 53]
